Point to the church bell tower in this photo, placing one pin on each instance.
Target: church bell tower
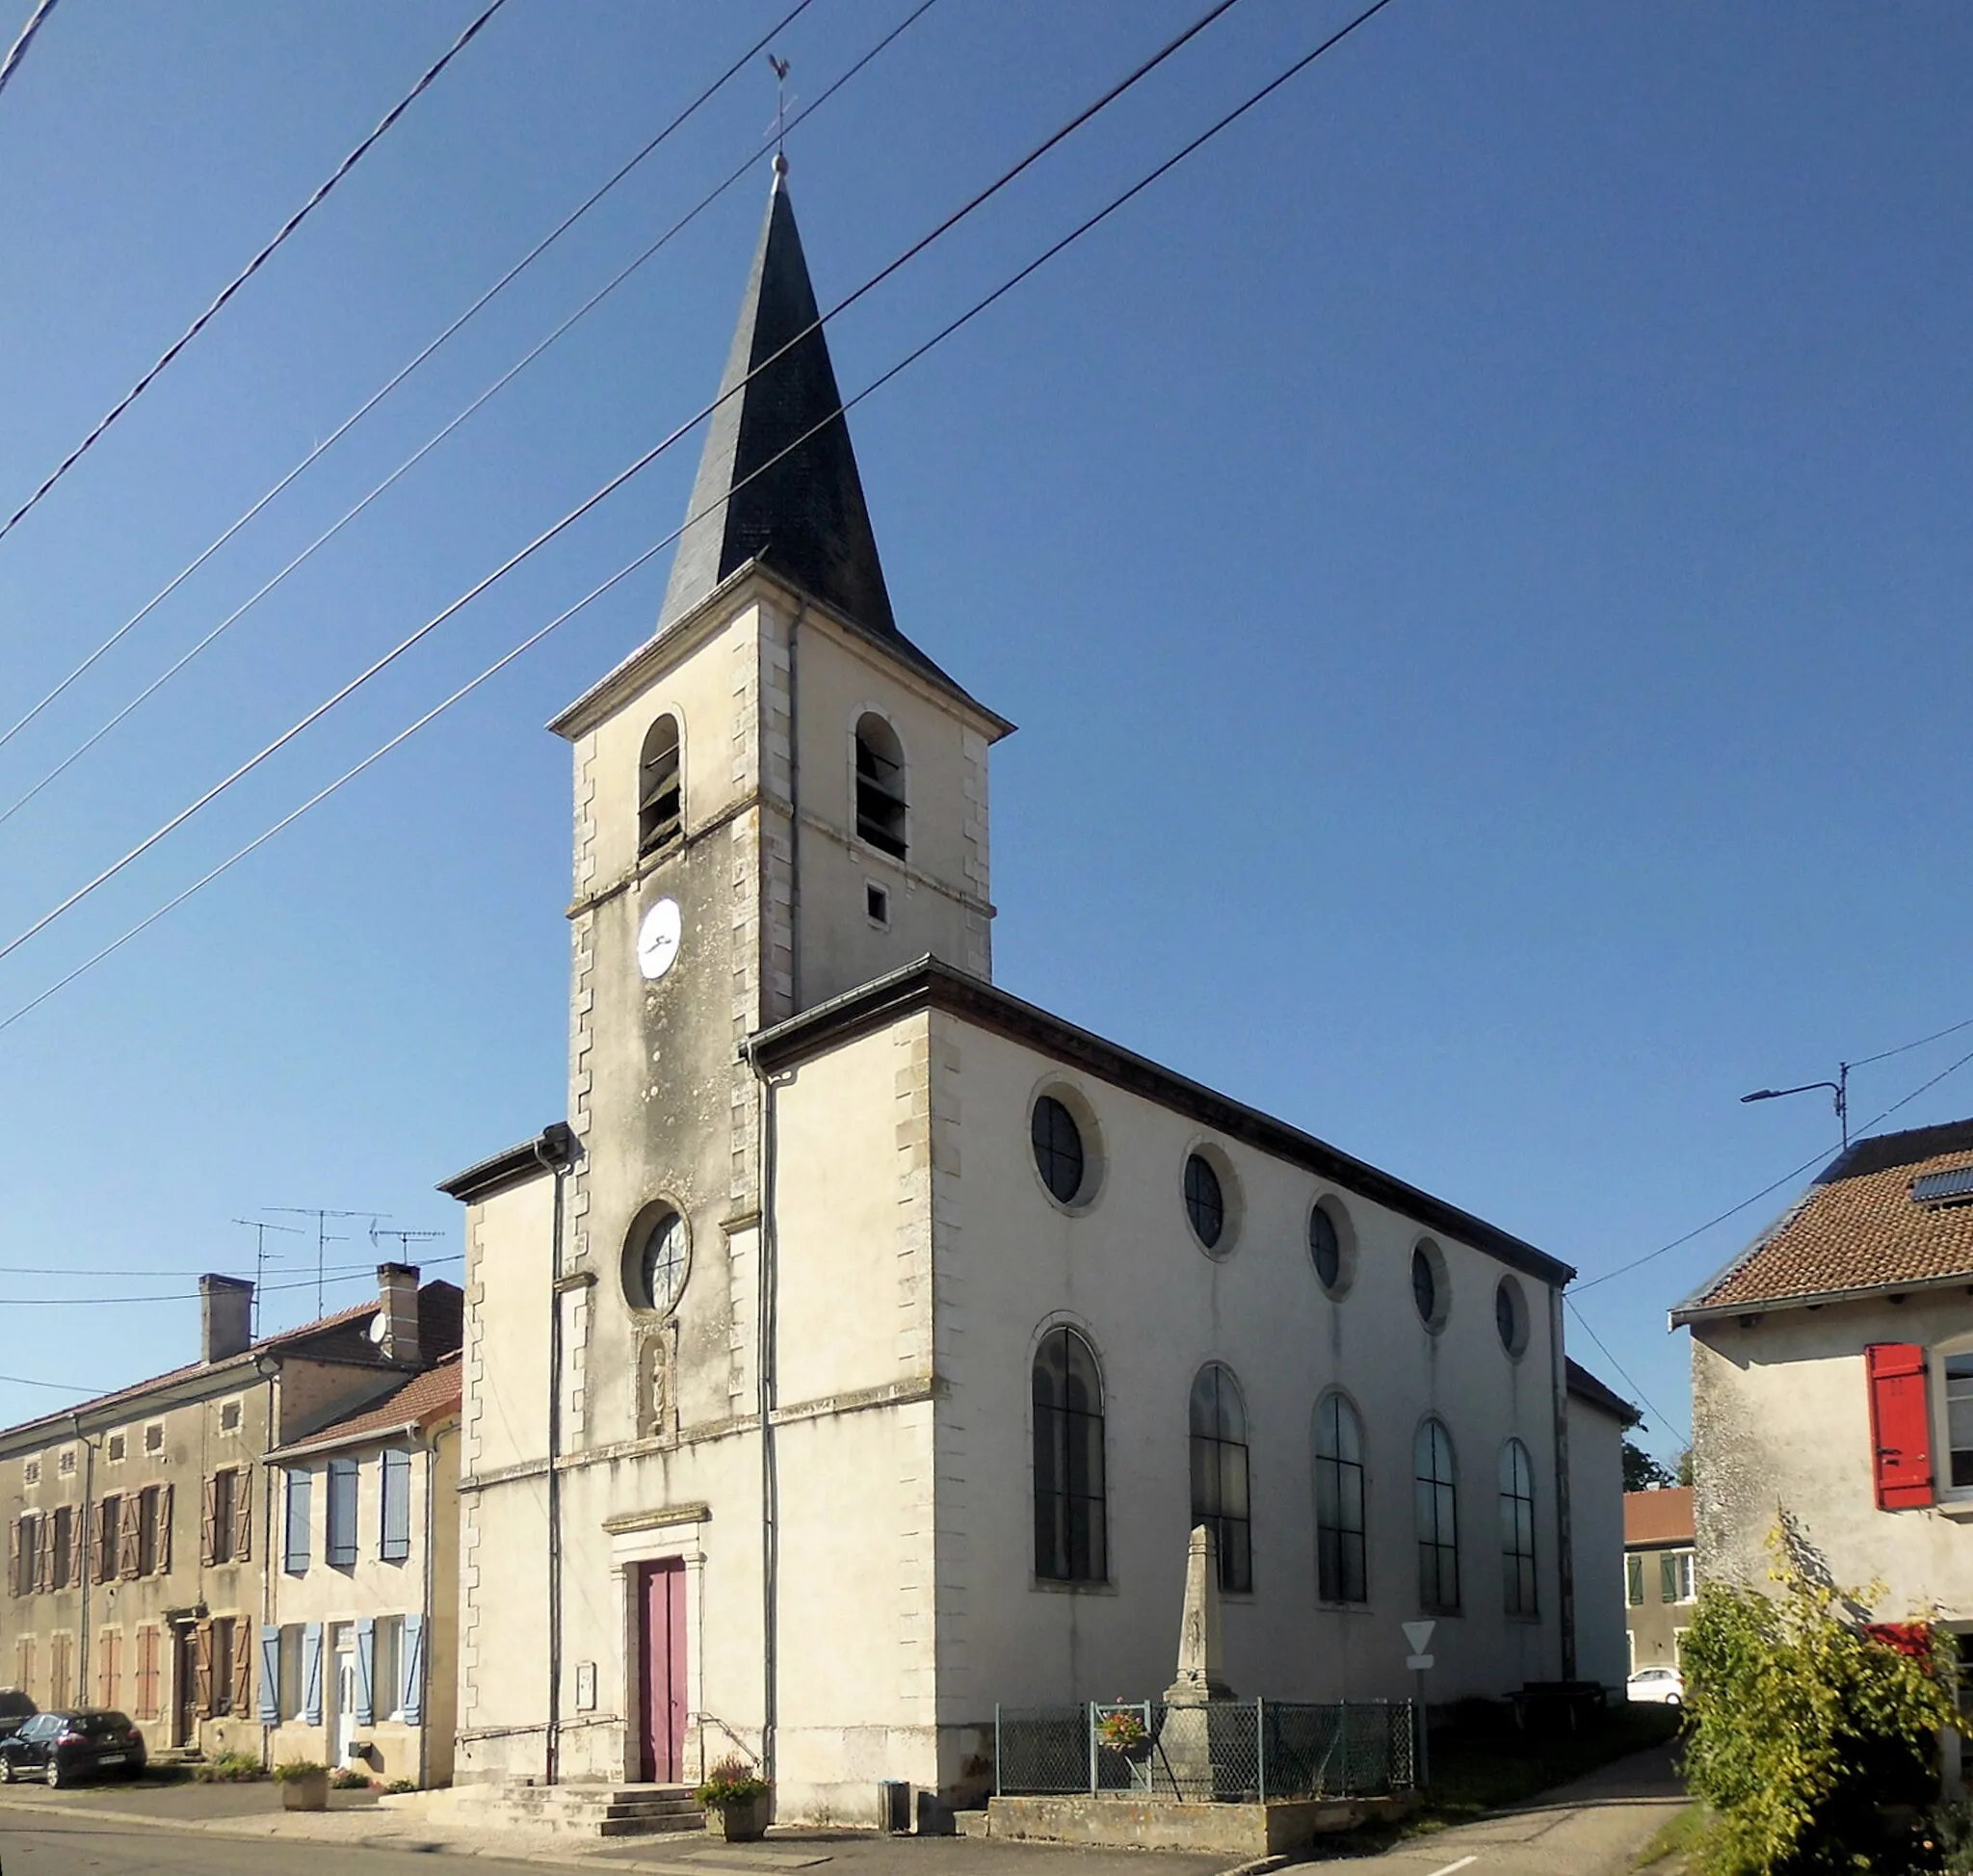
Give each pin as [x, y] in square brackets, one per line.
[777, 798]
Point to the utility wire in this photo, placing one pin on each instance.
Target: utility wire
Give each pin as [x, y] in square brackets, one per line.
[70, 1270]
[166, 1296]
[1678, 1427]
[54, 1386]
[1885, 1055]
[643, 461]
[500, 384]
[649, 553]
[16, 53]
[1795, 1172]
[377, 396]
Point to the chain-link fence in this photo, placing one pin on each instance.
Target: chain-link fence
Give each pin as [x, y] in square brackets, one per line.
[1237, 1751]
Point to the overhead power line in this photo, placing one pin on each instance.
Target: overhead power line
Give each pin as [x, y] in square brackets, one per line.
[53, 1386]
[252, 267]
[16, 53]
[377, 396]
[623, 573]
[174, 1296]
[652, 455]
[1678, 1427]
[410, 461]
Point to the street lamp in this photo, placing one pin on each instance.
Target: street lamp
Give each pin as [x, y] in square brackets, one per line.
[1840, 1088]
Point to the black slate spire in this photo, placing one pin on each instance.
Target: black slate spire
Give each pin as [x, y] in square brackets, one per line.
[805, 516]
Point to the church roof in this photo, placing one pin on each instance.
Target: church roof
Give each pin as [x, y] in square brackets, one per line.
[777, 478]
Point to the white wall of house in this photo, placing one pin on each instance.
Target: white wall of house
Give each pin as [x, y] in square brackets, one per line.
[1595, 1472]
[1781, 1423]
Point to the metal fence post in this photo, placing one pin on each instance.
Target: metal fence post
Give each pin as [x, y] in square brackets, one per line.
[1260, 1749]
[1093, 1748]
[997, 1761]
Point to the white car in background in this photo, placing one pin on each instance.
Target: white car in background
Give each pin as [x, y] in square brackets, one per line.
[1665, 1685]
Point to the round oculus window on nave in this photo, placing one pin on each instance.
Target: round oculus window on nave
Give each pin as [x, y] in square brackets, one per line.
[1058, 1144]
[666, 1259]
[1424, 1286]
[1205, 1203]
[1325, 1247]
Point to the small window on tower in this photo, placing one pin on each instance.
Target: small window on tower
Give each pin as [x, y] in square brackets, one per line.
[877, 904]
[660, 794]
[881, 786]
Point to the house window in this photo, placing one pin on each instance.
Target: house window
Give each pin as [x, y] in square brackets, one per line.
[1217, 1419]
[341, 1547]
[879, 785]
[1959, 1386]
[229, 1417]
[116, 1446]
[1517, 1528]
[1058, 1144]
[147, 1673]
[153, 1530]
[61, 1655]
[23, 1549]
[66, 1557]
[1071, 1539]
[222, 1491]
[396, 1518]
[30, 1471]
[386, 1667]
[876, 905]
[1634, 1581]
[296, 1545]
[1435, 1509]
[289, 1692]
[64, 1462]
[1675, 1577]
[155, 1437]
[1206, 1201]
[109, 1667]
[1341, 1576]
[221, 1665]
[660, 792]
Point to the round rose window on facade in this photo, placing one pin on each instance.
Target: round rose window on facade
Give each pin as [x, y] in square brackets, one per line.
[656, 1261]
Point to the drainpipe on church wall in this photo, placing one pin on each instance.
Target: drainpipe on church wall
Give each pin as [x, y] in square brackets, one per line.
[793, 813]
[555, 1150]
[81, 1536]
[764, 1366]
[1564, 1541]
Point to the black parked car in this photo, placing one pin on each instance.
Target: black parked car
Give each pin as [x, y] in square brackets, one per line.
[15, 1708]
[59, 1747]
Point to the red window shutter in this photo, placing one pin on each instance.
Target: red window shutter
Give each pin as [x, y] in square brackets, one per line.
[1899, 1425]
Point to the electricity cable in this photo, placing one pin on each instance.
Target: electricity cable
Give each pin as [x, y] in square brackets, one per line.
[383, 390]
[1678, 1427]
[642, 463]
[1795, 1172]
[16, 53]
[176, 1296]
[74, 1270]
[623, 573]
[54, 1386]
[500, 384]
[252, 267]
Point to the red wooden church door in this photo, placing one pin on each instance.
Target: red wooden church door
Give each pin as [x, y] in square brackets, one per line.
[661, 1606]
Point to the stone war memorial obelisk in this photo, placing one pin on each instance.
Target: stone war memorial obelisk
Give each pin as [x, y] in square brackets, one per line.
[1187, 1763]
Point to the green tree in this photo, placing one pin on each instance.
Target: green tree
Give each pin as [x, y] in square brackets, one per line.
[1641, 1471]
[1804, 1719]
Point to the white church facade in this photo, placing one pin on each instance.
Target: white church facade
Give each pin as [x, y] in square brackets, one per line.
[860, 1354]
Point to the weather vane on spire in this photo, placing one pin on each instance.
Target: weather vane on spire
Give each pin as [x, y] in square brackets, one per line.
[780, 66]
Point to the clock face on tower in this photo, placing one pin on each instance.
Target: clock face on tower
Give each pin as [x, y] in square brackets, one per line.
[657, 939]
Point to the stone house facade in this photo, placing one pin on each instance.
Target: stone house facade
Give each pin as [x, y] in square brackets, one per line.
[139, 1524]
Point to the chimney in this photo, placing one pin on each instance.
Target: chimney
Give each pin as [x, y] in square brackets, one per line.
[395, 1333]
[226, 1311]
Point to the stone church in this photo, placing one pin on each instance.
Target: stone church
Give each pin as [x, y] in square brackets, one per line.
[861, 1352]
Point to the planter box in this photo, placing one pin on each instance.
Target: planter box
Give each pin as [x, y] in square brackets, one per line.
[310, 1793]
[741, 1823]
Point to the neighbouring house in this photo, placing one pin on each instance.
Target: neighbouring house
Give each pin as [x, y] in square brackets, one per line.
[138, 1527]
[1598, 1418]
[356, 1662]
[863, 1350]
[1832, 1380]
[1660, 1573]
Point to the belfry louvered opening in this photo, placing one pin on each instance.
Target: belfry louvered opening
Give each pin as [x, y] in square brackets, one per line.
[879, 787]
[660, 790]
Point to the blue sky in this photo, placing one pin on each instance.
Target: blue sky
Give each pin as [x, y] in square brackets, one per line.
[1476, 558]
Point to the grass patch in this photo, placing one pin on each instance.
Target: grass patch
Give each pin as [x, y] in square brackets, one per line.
[229, 1768]
[1676, 1836]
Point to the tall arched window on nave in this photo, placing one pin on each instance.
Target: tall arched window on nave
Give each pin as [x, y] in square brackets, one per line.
[1220, 1499]
[1071, 1535]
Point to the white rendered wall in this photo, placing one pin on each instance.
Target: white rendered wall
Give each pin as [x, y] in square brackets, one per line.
[1595, 1473]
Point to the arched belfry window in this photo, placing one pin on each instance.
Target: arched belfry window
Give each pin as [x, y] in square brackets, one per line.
[660, 790]
[879, 785]
[1071, 1539]
[1219, 1471]
[1341, 1576]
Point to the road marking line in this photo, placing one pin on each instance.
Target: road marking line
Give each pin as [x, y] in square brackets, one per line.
[1451, 1866]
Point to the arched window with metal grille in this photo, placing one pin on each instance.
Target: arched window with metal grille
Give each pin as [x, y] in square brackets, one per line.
[1517, 1528]
[660, 788]
[1219, 1494]
[1340, 1565]
[1071, 1535]
[1436, 1500]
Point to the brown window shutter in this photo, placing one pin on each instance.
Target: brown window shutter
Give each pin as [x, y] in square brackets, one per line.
[208, 1517]
[130, 1557]
[99, 1541]
[242, 1516]
[243, 1671]
[161, 1536]
[201, 1670]
[78, 1542]
[14, 1582]
[44, 1552]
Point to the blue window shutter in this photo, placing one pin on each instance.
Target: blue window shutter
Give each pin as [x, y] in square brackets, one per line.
[396, 1543]
[342, 1512]
[414, 1671]
[298, 1521]
[366, 1656]
[269, 1677]
[312, 1673]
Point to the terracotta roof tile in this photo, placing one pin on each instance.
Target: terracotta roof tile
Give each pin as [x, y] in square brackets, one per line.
[1857, 1227]
[1661, 1517]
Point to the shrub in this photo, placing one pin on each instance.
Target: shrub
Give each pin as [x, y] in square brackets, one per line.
[290, 1769]
[401, 1784]
[1807, 1724]
[349, 1779]
[731, 1782]
[229, 1768]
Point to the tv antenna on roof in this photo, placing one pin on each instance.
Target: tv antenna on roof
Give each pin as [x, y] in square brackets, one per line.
[260, 1228]
[404, 1238]
[323, 1236]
